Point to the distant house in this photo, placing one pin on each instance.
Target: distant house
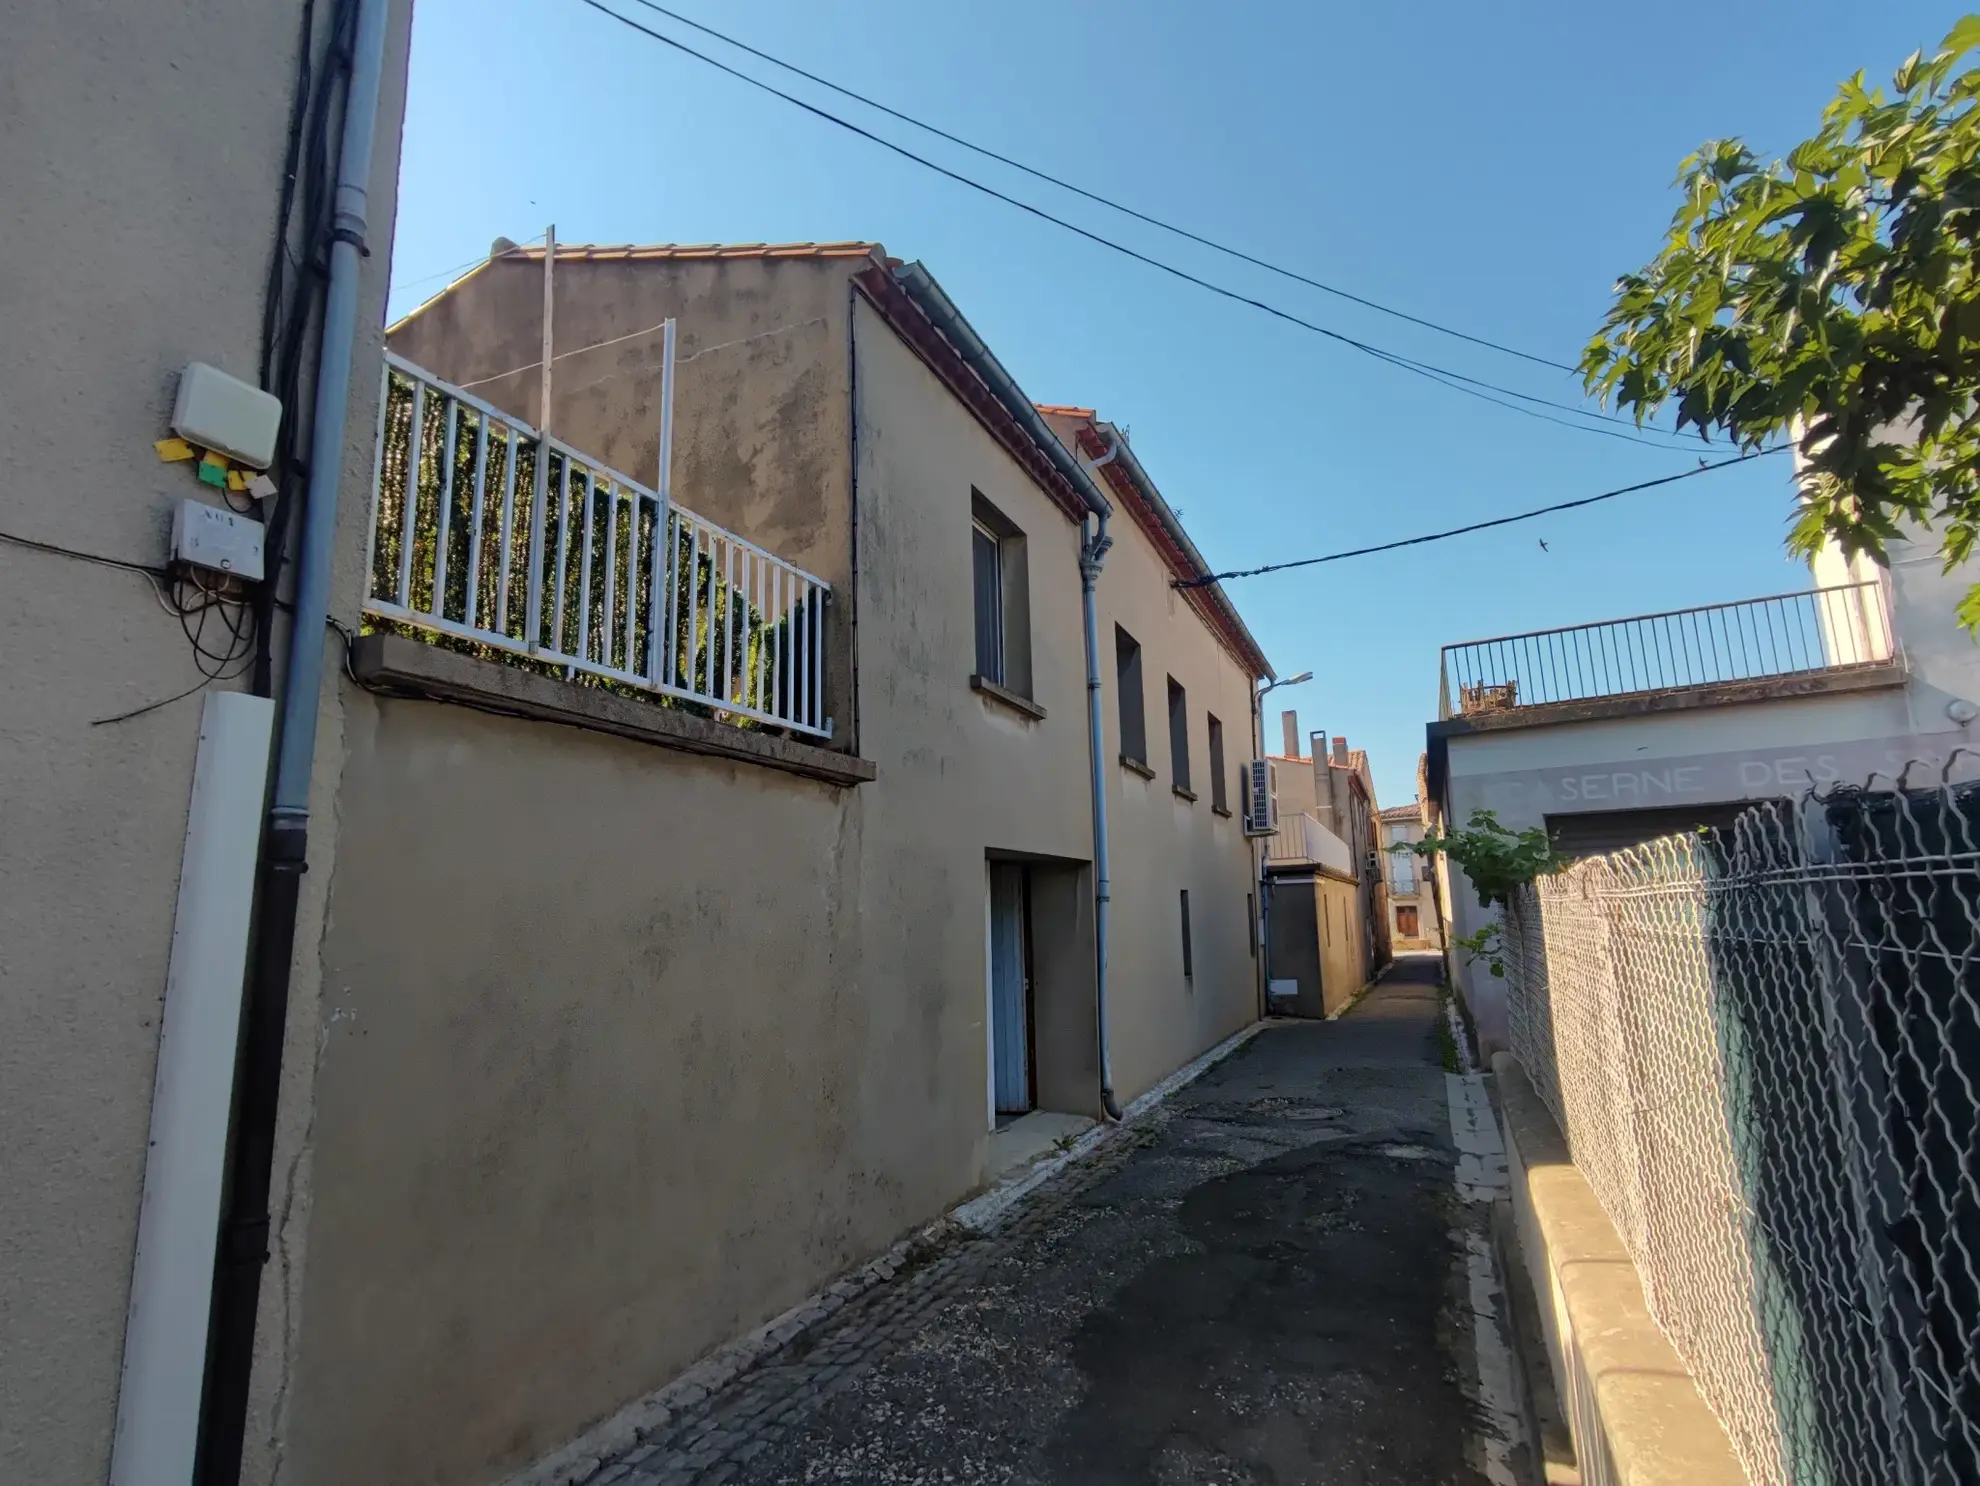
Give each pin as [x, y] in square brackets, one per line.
[735, 911]
[1415, 913]
[1326, 876]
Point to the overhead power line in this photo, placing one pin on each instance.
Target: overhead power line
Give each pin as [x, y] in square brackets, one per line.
[1459, 531]
[1443, 376]
[456, 271]
[1095, 196]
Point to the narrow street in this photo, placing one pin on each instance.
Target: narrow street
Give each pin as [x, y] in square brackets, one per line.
[1271, 1279]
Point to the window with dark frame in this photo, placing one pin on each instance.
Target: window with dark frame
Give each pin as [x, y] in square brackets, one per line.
[1189, 959]
[1219, 800]
[987, 563]
[1000, 578]
[1178, 735]
[1127, 673]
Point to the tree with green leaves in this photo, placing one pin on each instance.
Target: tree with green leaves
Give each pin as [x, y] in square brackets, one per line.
[1831, 298]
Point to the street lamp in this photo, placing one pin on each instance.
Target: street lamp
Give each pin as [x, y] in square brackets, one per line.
[1258, 709]
[1264, 899]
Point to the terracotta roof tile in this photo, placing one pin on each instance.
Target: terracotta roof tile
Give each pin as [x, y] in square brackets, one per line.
[1063, 411]
[1413, 811]
[626, 252]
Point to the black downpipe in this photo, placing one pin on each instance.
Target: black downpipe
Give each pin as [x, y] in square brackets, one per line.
[242, 1251]
[244, 1237]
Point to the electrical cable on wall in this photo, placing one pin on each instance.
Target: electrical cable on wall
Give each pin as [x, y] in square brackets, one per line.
[294, 294]
[1443, 376]
[225, 599]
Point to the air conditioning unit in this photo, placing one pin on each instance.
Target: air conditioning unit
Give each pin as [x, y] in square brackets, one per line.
[1261, 798]
[1374, 864]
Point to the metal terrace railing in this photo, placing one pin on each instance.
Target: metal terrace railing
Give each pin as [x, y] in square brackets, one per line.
[1302, 839]
[1790, 634]
[485, 530]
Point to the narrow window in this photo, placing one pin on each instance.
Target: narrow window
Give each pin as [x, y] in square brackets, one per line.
[1178, 735]
[1189, 961]
[1219, 800]
[988, 562]
[1127, 671]
[1001, 574]
[1251, 922]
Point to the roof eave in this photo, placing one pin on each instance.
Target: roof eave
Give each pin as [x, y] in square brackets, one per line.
[1172, 524]
[933, 301]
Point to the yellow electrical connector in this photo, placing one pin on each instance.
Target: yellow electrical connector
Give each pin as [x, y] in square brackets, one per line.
[173, 450]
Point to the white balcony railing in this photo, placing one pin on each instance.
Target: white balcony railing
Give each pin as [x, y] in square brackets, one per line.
[1302, 840]
[1789, 634]
[523, 544]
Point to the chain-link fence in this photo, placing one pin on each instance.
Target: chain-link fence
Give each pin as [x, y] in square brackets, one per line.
[1763, 1045]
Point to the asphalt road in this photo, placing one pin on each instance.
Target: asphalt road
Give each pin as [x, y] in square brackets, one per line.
[1271, 1280]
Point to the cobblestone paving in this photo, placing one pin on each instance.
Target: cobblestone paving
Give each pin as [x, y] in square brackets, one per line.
[1257, 1284]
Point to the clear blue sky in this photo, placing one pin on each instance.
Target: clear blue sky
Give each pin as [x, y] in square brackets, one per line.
[1491, 167]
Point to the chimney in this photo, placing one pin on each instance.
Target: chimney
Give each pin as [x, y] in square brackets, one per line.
[1289, 724]
[1340, 752]
[1323, 783]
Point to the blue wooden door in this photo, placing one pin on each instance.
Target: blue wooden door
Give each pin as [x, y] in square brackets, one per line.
[1009, 1014]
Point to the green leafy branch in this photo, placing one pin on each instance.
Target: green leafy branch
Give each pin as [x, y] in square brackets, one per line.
[1833, 298]
[1487, 945]
[1497, 860]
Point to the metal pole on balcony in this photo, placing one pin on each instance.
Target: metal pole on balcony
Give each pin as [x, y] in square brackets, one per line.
[549, 327]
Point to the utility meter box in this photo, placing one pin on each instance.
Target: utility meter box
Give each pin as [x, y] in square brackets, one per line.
[205, 536]
[216, 411]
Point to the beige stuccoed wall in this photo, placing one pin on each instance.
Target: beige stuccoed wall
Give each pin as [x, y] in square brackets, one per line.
[140, 158]
[1162, 843]
[612, 1072]
[623, 1051]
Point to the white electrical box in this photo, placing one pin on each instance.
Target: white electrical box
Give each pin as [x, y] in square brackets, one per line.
[205, 536]
[216, 411]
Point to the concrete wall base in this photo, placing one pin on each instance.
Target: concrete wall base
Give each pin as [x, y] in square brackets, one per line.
[1634, 1412]
[579, 1460]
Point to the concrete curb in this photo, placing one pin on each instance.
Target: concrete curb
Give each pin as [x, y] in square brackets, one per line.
[583, 1457]
[1634, 1412]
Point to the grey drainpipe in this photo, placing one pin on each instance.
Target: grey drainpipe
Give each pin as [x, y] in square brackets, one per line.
[1092, 552]
[284, 855]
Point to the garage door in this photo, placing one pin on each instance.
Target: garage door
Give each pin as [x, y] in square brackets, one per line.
[1603, 831]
